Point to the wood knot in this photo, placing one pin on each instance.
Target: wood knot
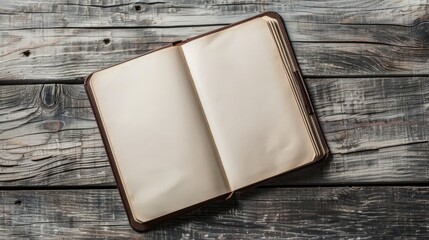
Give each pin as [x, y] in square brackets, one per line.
[26, 53]
[18, 202]
[50, 94]
[106, 41]
[137, 8]
[53, 125]
[421, 31]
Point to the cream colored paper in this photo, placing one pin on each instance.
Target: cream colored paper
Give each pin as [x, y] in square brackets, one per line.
[249, 103]
[158, 134]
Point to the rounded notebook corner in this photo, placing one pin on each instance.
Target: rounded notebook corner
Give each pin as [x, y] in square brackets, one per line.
[326, 155]
[137, 226]
[87, 80]
[272, 14]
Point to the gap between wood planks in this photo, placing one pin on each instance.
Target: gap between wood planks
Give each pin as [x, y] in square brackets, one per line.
[87, 187]
[80, 80]
[123, 27]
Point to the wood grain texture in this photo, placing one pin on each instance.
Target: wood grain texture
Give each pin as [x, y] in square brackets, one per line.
[167, 13]
[377, 127]
[66, 40]
[310, 213]
[48, 136]
[377, 130]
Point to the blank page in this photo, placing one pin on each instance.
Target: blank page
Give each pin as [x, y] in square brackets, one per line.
[249, 104]
[159, 138]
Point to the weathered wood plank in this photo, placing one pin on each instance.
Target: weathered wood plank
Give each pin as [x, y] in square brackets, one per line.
[376, 125]
[68, 40]
[65, 54]
[405, 164]
[377, 129]
[310, 213]
[48, 136]
[153, 13]
[371, 113]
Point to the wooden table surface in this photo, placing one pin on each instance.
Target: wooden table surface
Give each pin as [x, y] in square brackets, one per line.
[366, 64]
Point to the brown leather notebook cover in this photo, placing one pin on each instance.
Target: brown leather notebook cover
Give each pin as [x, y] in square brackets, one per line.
[252, 119]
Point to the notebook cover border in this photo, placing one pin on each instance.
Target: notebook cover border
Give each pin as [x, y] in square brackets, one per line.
[144, 226]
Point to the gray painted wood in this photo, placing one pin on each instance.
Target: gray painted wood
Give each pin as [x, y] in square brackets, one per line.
[309, 213]
[66, 40]
[376, 127]
[377, 130]
[168, 13]
[48, 137]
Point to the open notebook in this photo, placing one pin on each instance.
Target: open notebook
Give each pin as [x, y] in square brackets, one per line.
[201, 118]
